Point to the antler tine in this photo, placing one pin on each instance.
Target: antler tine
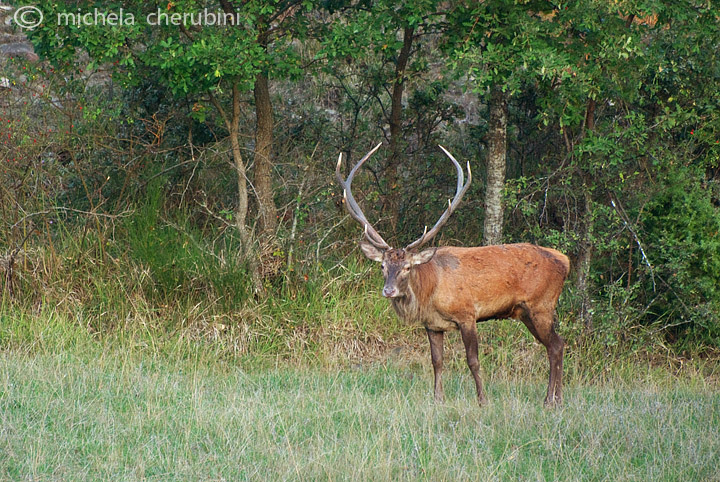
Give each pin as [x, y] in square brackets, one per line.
[352, 206]
[462, 187]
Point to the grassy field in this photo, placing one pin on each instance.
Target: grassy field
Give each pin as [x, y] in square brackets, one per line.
[83, 409]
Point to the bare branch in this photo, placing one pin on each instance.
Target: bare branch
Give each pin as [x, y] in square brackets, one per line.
[625, 220]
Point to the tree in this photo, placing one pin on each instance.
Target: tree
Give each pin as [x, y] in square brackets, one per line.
[274, 25]
[382, 37]
[570, 56]
[496, 45]
[497, 154]
[214, 63]
[614, 91]
[596, 63]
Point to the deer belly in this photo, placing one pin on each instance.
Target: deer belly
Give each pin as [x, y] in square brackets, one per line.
[438, 323]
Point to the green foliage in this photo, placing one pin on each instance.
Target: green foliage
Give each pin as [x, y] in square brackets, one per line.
[614, 125]
[682, 224]
[178, 258]
[192, 55]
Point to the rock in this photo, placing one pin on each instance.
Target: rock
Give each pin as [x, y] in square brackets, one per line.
[13, 42]
[19, 49]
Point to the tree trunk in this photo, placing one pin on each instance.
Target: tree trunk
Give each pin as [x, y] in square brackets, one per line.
[239, 162]
[584, 259]
[392, 202]
[497, 147]
[262, 178]
[586, 225]
[590, 115]
[246, 238]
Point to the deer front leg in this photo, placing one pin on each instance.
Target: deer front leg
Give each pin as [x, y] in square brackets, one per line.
[468, 331]
[436, 353]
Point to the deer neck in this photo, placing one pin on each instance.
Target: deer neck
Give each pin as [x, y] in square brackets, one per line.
[413, 306]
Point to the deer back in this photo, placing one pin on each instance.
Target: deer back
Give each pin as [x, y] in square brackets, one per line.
[461, 284]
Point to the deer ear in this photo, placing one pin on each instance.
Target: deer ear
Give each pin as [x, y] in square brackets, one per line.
[422, 257]
[371, 251]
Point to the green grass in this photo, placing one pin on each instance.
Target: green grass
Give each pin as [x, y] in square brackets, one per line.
[105, 376]
[117, 412]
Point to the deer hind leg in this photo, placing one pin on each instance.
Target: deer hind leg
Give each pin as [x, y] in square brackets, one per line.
[541, 326]
[468, 331]
[436, 354]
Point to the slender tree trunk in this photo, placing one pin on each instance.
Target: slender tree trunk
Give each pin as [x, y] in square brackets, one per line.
[392, 202]
[497, 149]
[246, 238]
[239, 162]
[586, 226]
[590, 115]
[262, 178]
[584, 260]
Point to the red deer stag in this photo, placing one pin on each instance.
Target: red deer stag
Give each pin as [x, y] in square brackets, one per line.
[452, 288]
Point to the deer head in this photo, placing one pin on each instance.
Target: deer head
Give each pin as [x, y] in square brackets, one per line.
[397, 263]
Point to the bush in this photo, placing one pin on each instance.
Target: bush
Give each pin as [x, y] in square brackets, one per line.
[681, 224]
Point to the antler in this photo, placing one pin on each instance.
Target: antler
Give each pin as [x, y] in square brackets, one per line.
[352, 206]
[428, 235]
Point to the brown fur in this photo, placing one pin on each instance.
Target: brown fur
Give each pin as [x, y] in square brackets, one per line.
[463, 284]
[458, 287]
[454, 288]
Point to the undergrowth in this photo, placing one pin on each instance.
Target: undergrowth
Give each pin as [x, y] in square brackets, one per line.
[148, 280]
